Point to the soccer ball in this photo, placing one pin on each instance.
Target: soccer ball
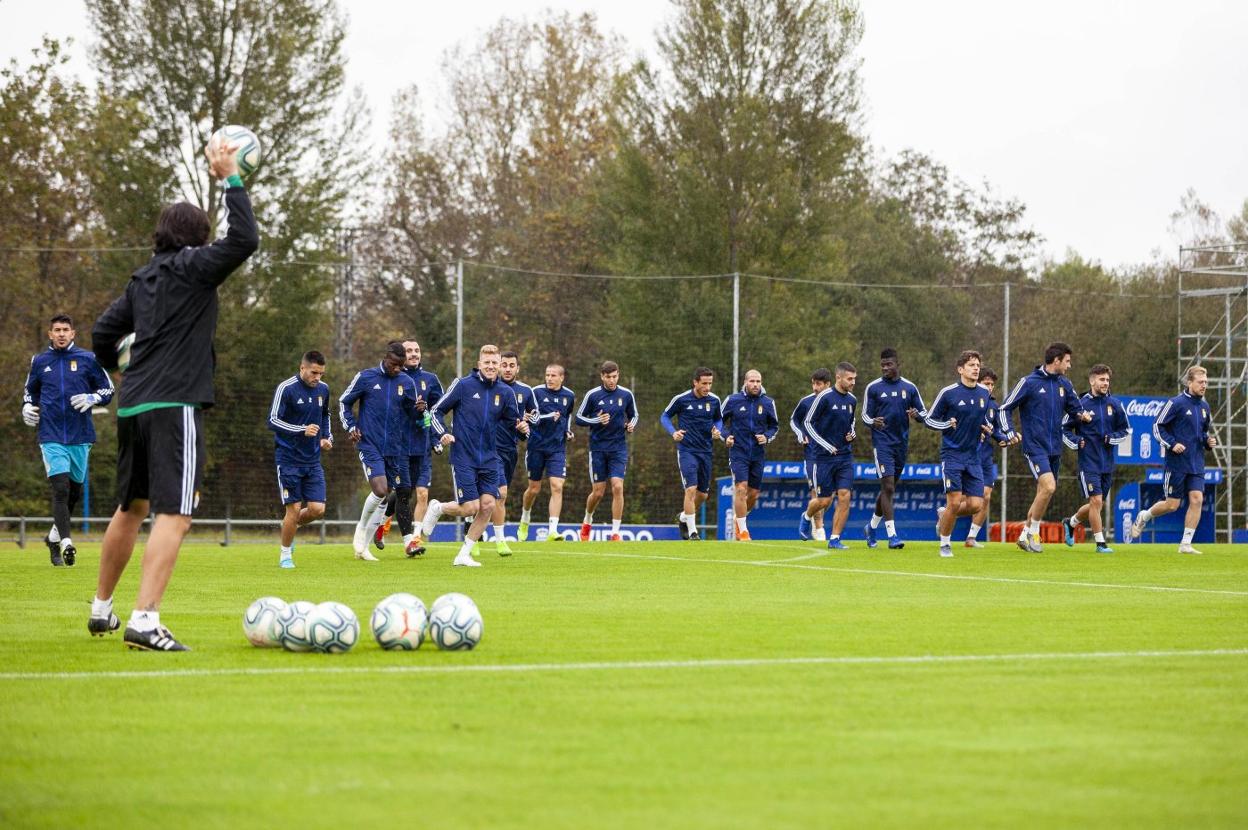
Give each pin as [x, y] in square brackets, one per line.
[455, 623]
[248, 146]
[399, 622]
[292, 625]
[260, 622]
[123, 351]
[333, 628]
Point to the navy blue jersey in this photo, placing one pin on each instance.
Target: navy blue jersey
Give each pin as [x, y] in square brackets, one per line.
[386, 406]
[428, 389]
[830, 423]
[295, 406]
[56, 375]
[891, 400]
[480, 407]
[968, 405]
[696, 416]
[748, 415]
[550, 433]
[797, 423]
[1042, 400]
[1184, 420]
[1108, 428]
[617, 403]
[506, 436]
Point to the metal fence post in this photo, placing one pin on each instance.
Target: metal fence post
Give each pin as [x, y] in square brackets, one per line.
[1005, 385]
[736, 330]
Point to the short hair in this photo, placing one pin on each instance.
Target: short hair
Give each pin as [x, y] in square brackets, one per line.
[845, 367]
[967, 356]
[988, 374]
[1056, 351]
[396, 348]
[1100, 369]
[821, 375]
[61, 318]
[509, 353]
[488, 348]
[562, 371]
[702, 372]
[608, 366]
[314, 357]
[1192, 372]
[179, 226]
[887, 353]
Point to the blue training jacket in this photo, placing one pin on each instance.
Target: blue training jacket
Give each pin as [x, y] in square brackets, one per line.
[386, 405]
[1108, 428]
[830, 424]
[548, 433]
[505, 435]
[891, 400]
[1042, 400]
[746, 416]
[968, 405]
[696, 416]
[1184, 420]
[56, 375]
[797, 423]
[620, 405]
[429, 389]
[295, 405]
[480, 406]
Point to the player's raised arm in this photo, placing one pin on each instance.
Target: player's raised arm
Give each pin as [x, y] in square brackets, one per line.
[215, 262]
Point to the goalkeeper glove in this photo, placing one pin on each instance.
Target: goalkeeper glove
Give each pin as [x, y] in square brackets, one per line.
[30, 414]
[83, 401]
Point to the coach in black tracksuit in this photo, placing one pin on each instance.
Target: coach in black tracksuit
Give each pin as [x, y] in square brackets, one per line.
[171, 306]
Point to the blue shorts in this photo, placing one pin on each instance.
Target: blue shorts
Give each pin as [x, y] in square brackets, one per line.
[831, 476]
[607, 464]
[1095, 484]
[471, 483]
[301, 483]
[991, 473]
[506, 466]
[393, 467]
[890, 461]
[1178, 484]
[1040, 464]
[695, 470]
[420, 468]
[810, 472]
[960, 477]
[542, 463]
[744, 468]
[66, 458]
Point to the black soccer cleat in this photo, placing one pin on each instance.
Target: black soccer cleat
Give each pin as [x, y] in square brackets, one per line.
[99, 626]
[158, 639]
[56, 555]
[694, 537]
[684, 531]
[69, 555]
[54, 548]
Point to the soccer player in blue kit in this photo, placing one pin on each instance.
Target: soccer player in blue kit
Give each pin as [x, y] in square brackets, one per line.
[1182, 429]
[610, 412]
[888, 404]
[830, 425]
[820, 379]
[508, 440]
[750, 424]
[1095, 440]
[299, 418]
[547, 454]
[699, 421]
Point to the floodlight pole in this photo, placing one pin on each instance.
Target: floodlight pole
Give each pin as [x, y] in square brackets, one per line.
[459, 318]
[736, 330]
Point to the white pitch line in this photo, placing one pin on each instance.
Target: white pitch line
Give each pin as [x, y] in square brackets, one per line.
[635, 665]
[882, 572]
[814, 555]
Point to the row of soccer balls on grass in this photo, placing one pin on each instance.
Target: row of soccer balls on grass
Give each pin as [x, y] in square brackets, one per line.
[399, 622]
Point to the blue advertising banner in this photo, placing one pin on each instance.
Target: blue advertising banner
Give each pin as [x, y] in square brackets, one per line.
[1142, 447]
[445, 532]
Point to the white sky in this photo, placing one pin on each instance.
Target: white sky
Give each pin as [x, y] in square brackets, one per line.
[1097, 114]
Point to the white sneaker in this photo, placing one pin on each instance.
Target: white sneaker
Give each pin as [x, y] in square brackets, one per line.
[360, 542]
[365, 555]
[946, 551]
[1136, 530]
[820, 534]
[1189, 549]
[465, 560]
[432, 513]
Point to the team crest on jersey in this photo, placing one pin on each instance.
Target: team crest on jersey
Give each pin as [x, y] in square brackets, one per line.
[903, 394]
[760, 409]
[423, 386]
[982, 403]
[496, 399]
[1061, 392]
[319, 401]
[519, 397]
[400, 390]
[73, 366]
[1109, 410]
[285, 494]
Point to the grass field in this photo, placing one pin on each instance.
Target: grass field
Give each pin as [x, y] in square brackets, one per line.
[647, 685]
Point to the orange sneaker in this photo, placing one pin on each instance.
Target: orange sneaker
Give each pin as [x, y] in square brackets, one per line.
[379, 536]
[615, 537]
[586, 529]
[743, 536]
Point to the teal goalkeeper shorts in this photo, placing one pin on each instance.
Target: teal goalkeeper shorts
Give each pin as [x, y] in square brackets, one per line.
[66, 458]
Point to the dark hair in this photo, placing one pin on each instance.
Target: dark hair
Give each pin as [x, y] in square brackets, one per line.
[396, 348]
[988, 374]
[61, 318]
[608, 366]
[702, 372]
[1056, 351]
[509, 354]
[179, 226]
[845, 366]
[967, 356]
[1100, 369]
[314, 357]
[821, 375]
[887, 353]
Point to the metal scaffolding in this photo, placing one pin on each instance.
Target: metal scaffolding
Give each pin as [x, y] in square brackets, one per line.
[1212, 330]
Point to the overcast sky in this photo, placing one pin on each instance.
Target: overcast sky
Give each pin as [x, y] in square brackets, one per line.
[1097, 114]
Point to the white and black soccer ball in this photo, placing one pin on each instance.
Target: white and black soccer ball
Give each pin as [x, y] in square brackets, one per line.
[455, 623]
[399, 622]
[333, 628]
[292, 625]
[260, 622]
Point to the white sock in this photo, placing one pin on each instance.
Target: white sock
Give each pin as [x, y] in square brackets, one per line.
[287, 551]
[466, 548]
[835, 536]
[819, 535]
[945, 541]
[589, 519]
[1074, 521]
[66, 542]
[101, 607]
[691, 523]
[370, 506]
[1100, 537]
[1033, 527]
[974, 534]
[407, 538]
[876, 519]
[740, 523]
[374, 522]
[890, 527]
[144, 620]
[553, 525]
[525, 515]
[54, 535]
[1188, 533]
[1145, 517]
[615, 525]
[499, 532]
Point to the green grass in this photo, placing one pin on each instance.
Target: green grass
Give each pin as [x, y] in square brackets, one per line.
[1133, 737]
